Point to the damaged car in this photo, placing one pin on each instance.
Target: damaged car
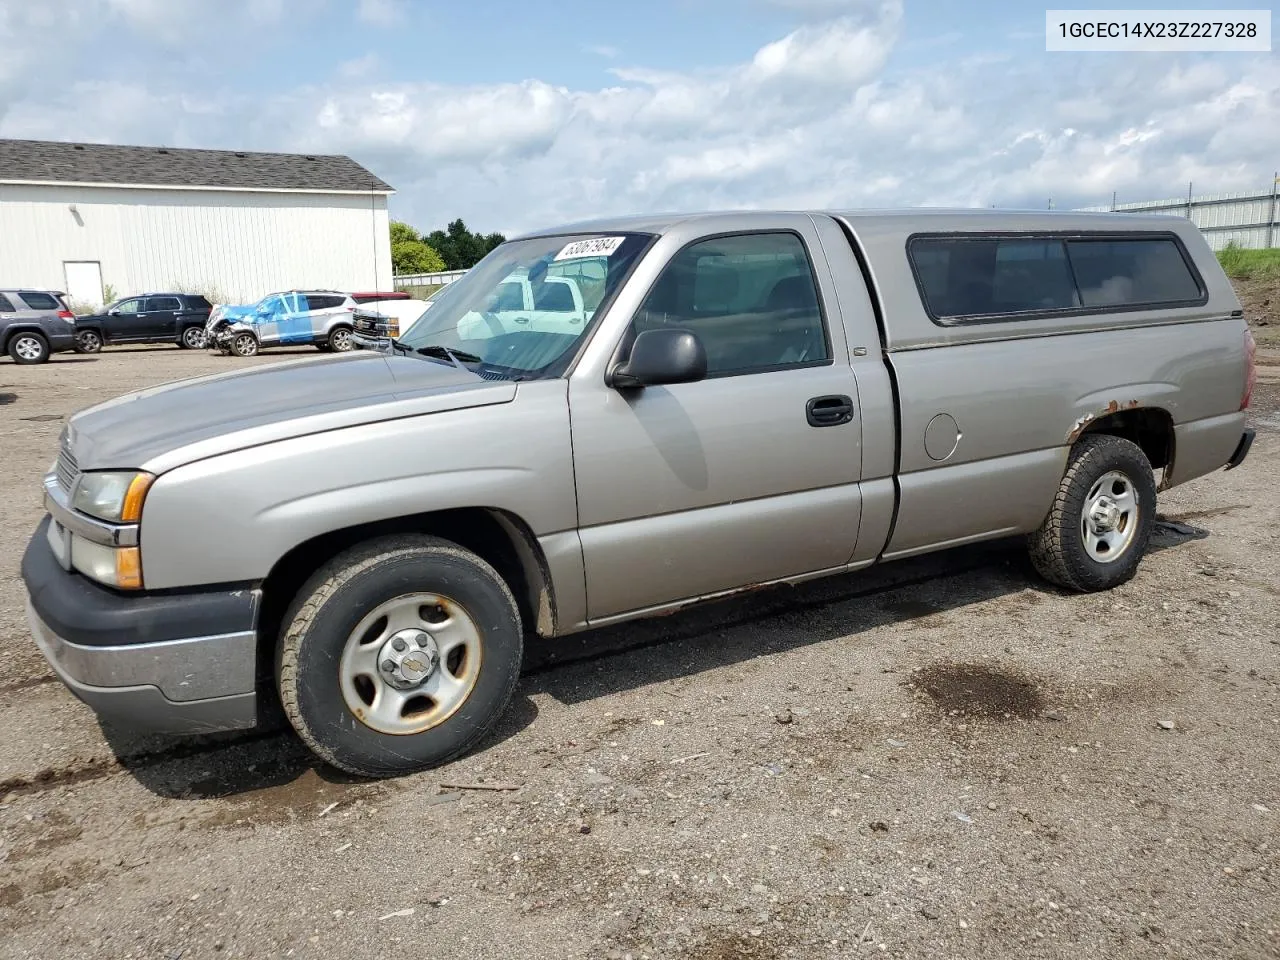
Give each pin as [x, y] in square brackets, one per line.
[319, 318]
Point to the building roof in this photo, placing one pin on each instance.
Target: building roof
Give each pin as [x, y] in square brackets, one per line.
[54, 162]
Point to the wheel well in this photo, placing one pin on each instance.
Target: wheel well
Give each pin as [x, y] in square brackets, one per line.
[499, 538]
[10, 332]
[1149, 427]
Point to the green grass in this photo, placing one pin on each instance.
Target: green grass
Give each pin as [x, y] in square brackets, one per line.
[1241, 264]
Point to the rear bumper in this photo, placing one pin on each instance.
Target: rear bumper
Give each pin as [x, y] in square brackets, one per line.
[172, 663]
[1242, 449]
[61, 341]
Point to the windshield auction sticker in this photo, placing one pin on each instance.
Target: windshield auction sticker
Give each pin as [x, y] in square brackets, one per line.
[1226, 31]
[595, 247]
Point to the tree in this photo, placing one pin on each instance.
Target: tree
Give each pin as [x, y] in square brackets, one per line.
[409, 254]
[460, 248]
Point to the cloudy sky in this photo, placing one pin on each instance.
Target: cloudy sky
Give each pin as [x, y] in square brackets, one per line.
[514, 115]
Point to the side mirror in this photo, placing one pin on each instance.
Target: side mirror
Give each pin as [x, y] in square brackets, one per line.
[661, 356]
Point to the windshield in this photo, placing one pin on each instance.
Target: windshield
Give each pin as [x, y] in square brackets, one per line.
[521, 311]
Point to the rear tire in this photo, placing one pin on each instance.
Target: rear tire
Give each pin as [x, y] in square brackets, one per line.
[337, 661]
[27, 346]
[1101, 520]
[88, 341]
[192, 338]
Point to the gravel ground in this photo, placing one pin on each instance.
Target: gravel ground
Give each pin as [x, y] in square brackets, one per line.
[943, 757]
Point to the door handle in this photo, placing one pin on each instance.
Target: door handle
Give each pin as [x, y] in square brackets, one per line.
[829, 411]
[520, 319]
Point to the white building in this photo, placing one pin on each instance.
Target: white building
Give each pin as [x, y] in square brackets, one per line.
[100, 221]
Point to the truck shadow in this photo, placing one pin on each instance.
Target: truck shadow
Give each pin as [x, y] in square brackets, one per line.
[273, 767]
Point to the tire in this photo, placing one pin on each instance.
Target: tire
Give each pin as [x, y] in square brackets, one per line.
[27, 346]
[192, 338]
[88, 341]
[339, 339]
[1073, 547]
[244, 345]
[332, 684]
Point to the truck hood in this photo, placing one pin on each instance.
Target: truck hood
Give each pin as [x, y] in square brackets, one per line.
[176, 423]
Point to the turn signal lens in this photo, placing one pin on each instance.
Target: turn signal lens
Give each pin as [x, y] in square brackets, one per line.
[131, 512]
[129, 568]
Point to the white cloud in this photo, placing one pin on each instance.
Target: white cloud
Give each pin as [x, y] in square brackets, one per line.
[381, 13]
[602, 50]
[811, 119]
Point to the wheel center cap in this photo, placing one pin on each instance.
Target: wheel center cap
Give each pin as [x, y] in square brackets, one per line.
[408, 658]
[1105, 515]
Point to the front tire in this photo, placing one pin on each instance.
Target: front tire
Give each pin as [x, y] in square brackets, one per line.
[399, 655]
[340, 339]
[244, 345]
[27, 346]
[1101, 520]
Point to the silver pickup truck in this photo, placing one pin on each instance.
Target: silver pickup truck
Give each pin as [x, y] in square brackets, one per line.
[749, 398]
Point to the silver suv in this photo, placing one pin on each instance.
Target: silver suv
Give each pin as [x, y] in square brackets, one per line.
[35, 324]
[320, 318]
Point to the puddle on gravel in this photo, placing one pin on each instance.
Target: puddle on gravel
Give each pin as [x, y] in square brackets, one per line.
[303, 798]
[979, 690]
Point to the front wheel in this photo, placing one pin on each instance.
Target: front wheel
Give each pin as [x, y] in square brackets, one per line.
[1101, 520]
[244, 345]
[399, 655]
[26, 346]
[340, 339]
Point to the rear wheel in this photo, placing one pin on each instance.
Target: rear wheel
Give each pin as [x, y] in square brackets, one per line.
[399, 655]
[193, 338]
[27, 346]
[88, 341]
[244, 345]
[1101, 520]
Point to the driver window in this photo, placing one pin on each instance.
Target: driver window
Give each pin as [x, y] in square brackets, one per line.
[130, 306]
[751, 299]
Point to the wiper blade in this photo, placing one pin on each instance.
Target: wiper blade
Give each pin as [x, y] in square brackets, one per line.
[397, 345]
[456, 357]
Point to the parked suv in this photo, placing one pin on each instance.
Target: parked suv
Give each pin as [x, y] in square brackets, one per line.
[34, 324]
[147, 318]
[321, 318]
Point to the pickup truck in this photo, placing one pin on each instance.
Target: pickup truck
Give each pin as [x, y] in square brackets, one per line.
[148, 318]
[367, 540]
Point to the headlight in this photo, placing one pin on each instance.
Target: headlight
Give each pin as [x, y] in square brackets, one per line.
[115, 496]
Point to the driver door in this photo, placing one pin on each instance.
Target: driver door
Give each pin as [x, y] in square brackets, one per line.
[128, 320]
[687, 490]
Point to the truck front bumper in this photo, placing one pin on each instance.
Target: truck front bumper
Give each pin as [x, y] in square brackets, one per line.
[169, 663]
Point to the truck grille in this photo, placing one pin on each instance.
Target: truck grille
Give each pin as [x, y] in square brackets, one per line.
[67, 470]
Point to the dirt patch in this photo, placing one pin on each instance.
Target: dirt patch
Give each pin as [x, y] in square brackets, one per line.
[735, 946]
[979, 690]
[302, 799]
[1260, 298]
